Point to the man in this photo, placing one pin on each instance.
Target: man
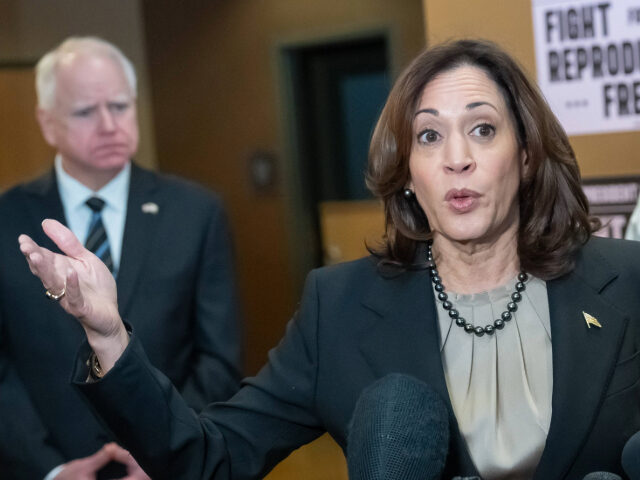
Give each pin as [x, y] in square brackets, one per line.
[165, 240]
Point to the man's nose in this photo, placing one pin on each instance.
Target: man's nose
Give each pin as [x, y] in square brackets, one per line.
[106, 119]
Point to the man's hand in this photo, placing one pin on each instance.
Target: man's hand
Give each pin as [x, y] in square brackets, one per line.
[85, 287]
[86, 468]
[134, 471]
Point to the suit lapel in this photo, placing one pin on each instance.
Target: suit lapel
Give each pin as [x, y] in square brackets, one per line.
[405, 338]
[583, 358]
[42, 200]
[45, 203]
[139, 232]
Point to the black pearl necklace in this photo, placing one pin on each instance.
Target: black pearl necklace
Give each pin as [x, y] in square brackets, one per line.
[498, 324]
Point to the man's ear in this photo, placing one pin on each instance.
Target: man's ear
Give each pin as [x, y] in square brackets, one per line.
[46, 121]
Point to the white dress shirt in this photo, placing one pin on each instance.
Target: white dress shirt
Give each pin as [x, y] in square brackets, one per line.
[115, 193]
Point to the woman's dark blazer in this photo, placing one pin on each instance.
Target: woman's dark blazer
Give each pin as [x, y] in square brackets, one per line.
[355, 325]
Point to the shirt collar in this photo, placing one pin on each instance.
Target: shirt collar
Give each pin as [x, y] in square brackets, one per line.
[76, 194]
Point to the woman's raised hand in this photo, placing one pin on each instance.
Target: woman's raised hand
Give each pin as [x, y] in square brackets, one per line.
[83, 286]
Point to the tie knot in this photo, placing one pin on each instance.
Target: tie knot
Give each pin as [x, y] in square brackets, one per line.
[96, 204]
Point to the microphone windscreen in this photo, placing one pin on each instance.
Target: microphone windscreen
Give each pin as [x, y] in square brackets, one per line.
[602, 476]
[399, 430]
[631, 457]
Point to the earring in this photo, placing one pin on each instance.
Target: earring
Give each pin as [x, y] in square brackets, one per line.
[408, 193]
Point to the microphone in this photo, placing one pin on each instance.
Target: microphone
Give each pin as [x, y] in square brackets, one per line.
[399, 430]
[631, 457]
[602, 476]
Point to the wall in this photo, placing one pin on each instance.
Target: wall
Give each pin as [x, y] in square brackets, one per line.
[23, 151]
[510, 24]
[30, 28]
[218, 95]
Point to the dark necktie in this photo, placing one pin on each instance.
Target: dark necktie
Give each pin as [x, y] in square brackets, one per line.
[97, 241]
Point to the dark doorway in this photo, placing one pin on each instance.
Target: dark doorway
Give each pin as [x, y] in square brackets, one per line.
[338, 91]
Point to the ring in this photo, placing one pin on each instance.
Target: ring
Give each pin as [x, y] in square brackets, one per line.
[56, 296]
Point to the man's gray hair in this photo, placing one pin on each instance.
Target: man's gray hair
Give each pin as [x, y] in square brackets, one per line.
[47, 67]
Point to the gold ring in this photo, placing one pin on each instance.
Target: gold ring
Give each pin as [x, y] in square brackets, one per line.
[54, 296]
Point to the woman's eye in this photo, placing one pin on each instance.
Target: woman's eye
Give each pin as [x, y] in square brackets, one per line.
[428, 136]
[483, 130]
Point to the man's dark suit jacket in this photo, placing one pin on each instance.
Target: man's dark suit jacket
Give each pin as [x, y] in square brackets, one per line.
[175, 286]
[355, 325]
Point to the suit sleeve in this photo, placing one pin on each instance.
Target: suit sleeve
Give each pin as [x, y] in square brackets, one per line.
[25, 446]
[216, 367]
[271, 415]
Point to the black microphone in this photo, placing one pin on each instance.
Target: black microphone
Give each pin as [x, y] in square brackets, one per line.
[399, 430]
[631, 457]
[602, 476]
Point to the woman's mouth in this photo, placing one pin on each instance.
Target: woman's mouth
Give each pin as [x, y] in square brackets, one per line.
[462, 201]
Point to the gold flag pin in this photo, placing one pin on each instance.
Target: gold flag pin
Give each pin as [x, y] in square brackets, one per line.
[591, 320]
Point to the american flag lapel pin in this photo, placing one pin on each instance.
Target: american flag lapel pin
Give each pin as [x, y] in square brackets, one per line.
[591, 320]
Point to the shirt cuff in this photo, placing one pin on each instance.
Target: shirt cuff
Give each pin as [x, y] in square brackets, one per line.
[54, 473]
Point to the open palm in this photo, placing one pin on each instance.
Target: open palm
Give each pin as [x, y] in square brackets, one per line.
[89, 289]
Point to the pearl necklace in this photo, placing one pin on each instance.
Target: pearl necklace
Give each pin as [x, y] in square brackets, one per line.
[498, 324]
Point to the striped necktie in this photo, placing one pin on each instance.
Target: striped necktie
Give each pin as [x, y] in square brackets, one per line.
[97, 241]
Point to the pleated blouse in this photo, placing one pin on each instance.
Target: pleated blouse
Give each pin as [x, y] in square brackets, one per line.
[500, 385]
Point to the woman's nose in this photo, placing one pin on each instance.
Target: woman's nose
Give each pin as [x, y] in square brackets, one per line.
[459, 158]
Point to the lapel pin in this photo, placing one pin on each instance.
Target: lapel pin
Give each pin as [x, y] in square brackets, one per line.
[150, 207]
[591, 320]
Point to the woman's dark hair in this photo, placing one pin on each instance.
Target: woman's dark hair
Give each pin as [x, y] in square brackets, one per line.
[554, 213]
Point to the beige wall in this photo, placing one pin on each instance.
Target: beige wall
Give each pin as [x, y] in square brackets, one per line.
[510, 24]
[218, 92]
[23, 152]
[29, 28]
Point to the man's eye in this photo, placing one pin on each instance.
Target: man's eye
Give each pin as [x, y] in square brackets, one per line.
[119, 107]
[83, 112]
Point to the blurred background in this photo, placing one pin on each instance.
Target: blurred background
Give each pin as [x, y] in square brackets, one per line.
[271, 103]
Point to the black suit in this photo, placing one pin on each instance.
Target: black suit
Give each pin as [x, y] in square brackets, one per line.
[175, 285]
[355, 325]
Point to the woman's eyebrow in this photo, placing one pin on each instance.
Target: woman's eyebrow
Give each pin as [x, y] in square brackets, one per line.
[478, 104]
[432, 111]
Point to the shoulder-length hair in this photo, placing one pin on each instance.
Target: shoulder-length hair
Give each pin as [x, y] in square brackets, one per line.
[554, 213]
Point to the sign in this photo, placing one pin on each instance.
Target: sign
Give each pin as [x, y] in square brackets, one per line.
[612, 200]
[588, 63]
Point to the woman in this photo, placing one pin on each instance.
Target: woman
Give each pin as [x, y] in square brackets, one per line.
[488, 287]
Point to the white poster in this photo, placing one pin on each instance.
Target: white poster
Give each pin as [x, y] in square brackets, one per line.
[588, 63]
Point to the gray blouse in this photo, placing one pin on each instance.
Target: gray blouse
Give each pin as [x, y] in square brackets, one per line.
[500, 385]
